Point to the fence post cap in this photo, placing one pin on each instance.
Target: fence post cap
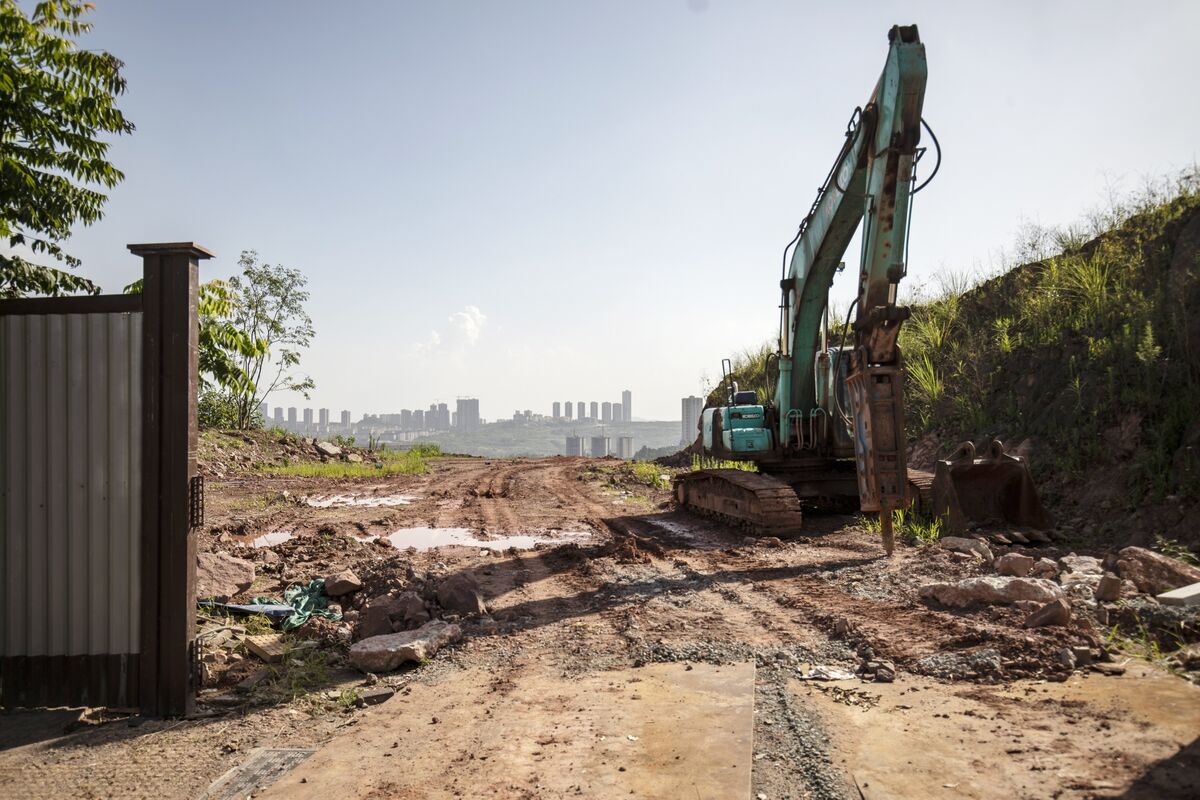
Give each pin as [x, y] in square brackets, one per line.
[171, 248]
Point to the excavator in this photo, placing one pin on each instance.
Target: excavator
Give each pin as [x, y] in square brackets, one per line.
[834, 429]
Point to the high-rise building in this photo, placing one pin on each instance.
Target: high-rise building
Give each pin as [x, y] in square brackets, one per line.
[418, 420]
[627, 405]
[691, 408]
[279, 413]
[606, 412]
[346, 420]
[625, 447]
[468, 413]
[600, 446]
[595, 411]
[574, 445]
[406, 419]
[579, 414]
[262, 411]
[443, 417]
[618, 412]
[557, 412]
[567, 409]
[307, 418]
[323, 418]
[292, 415]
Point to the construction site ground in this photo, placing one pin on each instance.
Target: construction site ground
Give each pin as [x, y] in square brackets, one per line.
[635, 651]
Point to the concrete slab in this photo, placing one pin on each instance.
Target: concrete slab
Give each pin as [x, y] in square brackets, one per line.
[663, 730]
[1183, 596]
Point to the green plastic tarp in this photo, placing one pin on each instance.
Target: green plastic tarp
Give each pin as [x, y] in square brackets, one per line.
[306, 601]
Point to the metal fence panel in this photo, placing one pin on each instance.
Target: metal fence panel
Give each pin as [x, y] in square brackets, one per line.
[70, 506]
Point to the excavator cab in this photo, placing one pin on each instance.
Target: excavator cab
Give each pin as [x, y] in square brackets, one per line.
[972, 490]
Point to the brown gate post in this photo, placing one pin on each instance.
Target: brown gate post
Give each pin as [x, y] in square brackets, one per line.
[170, 375]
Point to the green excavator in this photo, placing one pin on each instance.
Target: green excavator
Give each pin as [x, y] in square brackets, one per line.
[834, 430]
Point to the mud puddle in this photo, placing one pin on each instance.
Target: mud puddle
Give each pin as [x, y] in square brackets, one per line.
[271, 539]
[361, 501]
[423, 538]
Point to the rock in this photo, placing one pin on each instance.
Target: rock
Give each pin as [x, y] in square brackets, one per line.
[1086, 565]
[387, 652]
[460, 592]
[354, 458]
[374, 696]
[885, 672]
[770, 541]
[376, 618]
[991, 589]
[221, 576]
[1044, 568]
[408, 611]
[1108, 669]
[1056, 612]
[1066, 657]
[1108, 589]
[841, 626]
[1083, 655]
[1014, 565]
[961, 545]
[251, 681]
[328, 449]
[342, 583]
[1154, 573]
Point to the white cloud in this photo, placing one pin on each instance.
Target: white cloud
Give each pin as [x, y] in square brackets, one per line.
[461, 333]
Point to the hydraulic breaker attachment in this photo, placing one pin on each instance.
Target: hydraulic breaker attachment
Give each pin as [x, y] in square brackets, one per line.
[996, 488]
[877, 399]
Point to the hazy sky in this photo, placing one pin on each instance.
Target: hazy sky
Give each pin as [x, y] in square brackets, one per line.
[538, 201]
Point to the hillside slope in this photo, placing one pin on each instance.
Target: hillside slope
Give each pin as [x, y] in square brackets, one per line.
[1088, 361]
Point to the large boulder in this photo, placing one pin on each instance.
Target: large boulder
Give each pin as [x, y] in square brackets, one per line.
[386, 653]
[220, 576]
[962, 545]
[992, 589]
[1153, 572]
[460, 593]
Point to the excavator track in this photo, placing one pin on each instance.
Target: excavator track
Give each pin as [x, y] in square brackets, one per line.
[764, 505]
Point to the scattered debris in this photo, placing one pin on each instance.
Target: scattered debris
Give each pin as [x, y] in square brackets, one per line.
[460, 593]
[824, 673]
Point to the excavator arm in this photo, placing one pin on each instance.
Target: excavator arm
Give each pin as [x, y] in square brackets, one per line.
[871, 185]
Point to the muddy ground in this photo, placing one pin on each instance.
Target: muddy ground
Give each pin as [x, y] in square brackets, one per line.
[980, 707]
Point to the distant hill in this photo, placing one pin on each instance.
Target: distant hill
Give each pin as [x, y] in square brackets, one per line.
[548, 438]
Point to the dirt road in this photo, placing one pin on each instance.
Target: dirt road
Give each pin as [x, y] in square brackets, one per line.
[980, 706]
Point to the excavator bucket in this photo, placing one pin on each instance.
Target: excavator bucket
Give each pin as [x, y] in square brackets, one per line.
[995, 489]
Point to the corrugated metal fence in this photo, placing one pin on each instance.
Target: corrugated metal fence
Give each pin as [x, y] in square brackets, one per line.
[71, 395]
[99, 494]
